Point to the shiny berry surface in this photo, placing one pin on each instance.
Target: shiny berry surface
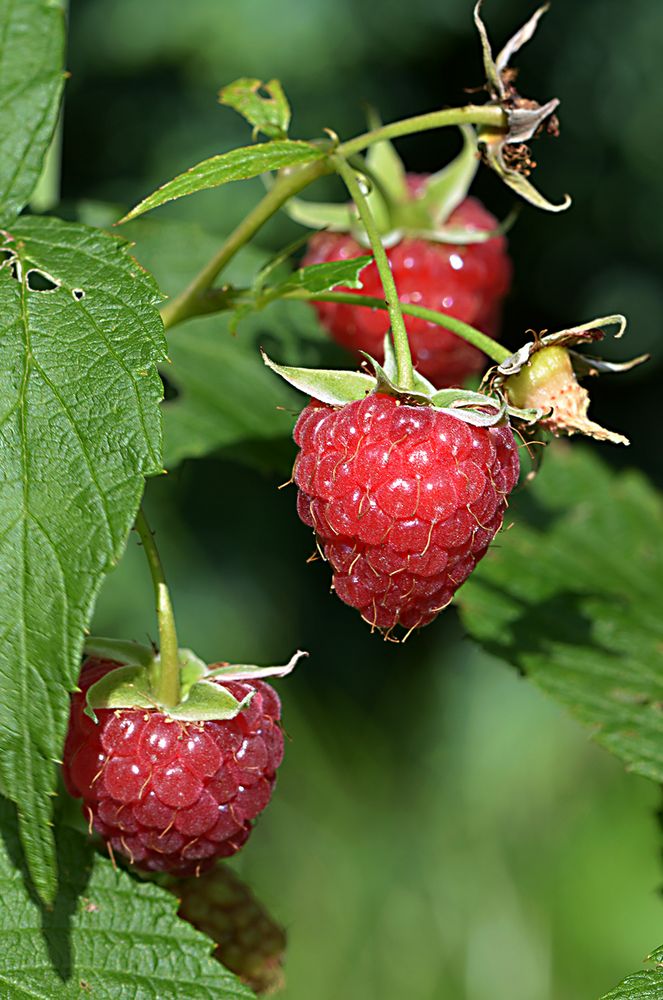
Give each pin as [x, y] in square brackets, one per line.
[404, 501]
[170, 795]
[468, 282]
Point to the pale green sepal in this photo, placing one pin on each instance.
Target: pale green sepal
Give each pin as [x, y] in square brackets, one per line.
[329, 386]
[464, 237]
[384, 163]
[448, 187]
[268, 114]
[529, 416]
[125, 651]
[337, 217]
[461, 397]
[389, 362]
[475, 417]
[390, 386]
[126, 687]
[246, 671]
[208, 702]
[421, 383]
[192, 669]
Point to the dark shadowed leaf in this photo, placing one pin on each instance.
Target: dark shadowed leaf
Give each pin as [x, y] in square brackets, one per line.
[31, 80]
[572, 596]
[108, 935]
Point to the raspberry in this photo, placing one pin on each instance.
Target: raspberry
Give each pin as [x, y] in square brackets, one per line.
[170, 795]
[248, 941]
[404, 501]
[468, 282]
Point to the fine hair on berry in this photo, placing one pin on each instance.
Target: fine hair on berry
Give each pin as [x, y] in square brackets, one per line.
[170, 795]
[404, 501]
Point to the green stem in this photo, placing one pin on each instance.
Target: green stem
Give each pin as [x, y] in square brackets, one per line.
[463, 330]
[190, 302]
[489, 115]
[398, 331]
[167, 681]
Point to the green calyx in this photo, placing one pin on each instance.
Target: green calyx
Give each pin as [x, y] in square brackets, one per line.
[337, 388]
[134, 684]
[419, 207]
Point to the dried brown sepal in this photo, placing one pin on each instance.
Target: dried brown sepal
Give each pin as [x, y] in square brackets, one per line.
[543, 375]
[507, 152]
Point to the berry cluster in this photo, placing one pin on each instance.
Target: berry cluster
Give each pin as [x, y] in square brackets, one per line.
[172, 795]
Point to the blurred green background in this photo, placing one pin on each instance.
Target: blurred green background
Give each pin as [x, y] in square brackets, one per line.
[441, 830]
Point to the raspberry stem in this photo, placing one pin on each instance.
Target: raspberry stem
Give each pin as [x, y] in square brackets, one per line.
[398, 331]
[166, 682]
[469, 333]
[192, 300]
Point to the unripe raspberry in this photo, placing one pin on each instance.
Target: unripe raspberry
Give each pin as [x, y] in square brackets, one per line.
[172, 795]
[248, 941]
[404, 501]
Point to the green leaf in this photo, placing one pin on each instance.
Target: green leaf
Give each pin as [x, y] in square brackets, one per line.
[224, 397]
[31, 81]
[108, 936]
[323, 277]
[644, 985]
[327, 385]
[268, 112]
[572, 596]
[236, 165]
[80, 428]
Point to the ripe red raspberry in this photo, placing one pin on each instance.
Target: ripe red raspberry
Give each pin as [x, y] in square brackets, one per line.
[404, 501]
[468, 282]
[170, 795]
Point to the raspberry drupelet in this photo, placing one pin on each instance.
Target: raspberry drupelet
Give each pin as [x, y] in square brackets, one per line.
[171, 795]
[404, 501]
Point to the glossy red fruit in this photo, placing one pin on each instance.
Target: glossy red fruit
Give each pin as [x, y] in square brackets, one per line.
[404, 501]
[468, 282]
[170, 795]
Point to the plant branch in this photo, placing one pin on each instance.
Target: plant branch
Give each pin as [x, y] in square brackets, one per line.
[488, 115]
[473, 336]
[289, 183]
[167, 681]
[398, 331]
[191, 301]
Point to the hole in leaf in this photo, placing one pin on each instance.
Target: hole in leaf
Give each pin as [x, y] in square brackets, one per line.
[39, 281]
[78, 294]
[170, 391]
[9, 260]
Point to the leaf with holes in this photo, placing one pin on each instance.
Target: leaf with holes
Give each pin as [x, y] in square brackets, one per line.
[224, 397]
[79, 429]
[31, 79]
[264, 105]
[236, 165]
[108, 935]
[572, 597]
